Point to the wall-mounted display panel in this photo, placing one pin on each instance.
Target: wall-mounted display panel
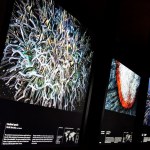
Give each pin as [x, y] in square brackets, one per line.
[119, 113]
[45, 71]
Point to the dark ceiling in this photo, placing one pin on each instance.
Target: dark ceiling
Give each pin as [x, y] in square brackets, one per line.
[130, 18]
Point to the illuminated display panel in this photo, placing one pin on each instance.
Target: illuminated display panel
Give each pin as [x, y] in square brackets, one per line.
[120, 105]
[147, 108]
[46, 62]
[145, 135]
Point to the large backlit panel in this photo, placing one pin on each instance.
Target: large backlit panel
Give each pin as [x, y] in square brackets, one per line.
[46, 62]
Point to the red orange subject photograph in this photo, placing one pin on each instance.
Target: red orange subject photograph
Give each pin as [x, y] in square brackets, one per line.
[122, 89]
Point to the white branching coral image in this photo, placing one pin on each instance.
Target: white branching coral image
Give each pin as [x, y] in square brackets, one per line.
[47, 58]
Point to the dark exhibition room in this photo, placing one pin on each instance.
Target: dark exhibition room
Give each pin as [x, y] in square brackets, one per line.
[74, 74]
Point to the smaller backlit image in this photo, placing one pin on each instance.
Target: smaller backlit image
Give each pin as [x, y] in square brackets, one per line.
[147, 109]
[122, 89]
